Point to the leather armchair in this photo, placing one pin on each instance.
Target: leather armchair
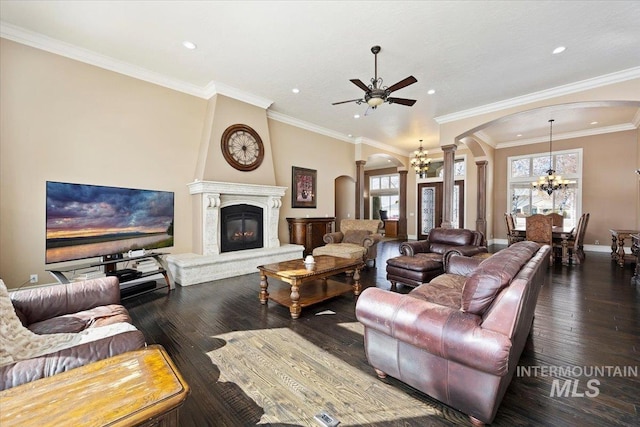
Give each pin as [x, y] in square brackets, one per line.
[421, 261]
[459, 337]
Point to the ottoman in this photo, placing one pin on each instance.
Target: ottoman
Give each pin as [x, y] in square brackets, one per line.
[413, 270]
[340, 250]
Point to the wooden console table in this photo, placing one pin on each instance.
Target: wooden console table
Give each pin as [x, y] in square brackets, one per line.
[309, 232]
[138, 388]
[617, 244]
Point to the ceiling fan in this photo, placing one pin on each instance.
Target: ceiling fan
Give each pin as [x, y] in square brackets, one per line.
[375, 94]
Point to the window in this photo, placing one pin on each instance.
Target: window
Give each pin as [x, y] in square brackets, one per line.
[385, 195]
[525, 201]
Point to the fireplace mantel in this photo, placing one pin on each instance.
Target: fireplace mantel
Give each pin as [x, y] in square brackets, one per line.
[211, 264]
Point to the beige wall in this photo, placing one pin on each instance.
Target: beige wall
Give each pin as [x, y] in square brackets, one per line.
[331, 158]
[68, 121]
[609, 188]
[63, 120]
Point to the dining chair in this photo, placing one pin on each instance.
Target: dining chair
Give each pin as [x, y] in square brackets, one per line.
[557, 219]
[512, 236]
[576, 243]
[539, 230]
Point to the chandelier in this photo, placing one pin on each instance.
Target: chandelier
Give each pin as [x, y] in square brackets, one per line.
[550, 182]
[420, 162]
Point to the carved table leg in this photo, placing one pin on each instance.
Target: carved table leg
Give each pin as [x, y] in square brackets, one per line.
[614, 247]
[357, 287]
[264, 295]
[621, 251]
[635, 249]
[295, 308]
[565, 250]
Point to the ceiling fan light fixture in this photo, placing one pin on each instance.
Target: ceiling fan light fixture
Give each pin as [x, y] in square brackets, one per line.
[375, 101]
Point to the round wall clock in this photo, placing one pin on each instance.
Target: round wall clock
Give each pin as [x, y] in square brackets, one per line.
[242, 147]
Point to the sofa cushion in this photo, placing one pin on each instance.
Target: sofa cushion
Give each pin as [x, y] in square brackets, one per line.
[445, 289]
[355, 236]
[493, 274]
[76, 322]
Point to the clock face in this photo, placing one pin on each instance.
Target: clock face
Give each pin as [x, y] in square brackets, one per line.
[242, 147]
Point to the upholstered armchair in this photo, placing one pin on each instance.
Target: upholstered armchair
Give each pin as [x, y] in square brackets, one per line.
[356, 238]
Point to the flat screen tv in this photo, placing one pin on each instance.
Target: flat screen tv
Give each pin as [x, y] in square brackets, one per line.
[86, 221]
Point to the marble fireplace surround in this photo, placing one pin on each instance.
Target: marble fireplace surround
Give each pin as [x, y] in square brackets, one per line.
[190, 269]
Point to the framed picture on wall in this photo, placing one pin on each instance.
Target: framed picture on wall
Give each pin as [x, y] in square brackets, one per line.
[303, 187]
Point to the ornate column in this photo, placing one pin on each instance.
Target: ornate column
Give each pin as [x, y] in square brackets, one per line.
[360, 188]
[402, 201]
[447, 185]
[481, 221]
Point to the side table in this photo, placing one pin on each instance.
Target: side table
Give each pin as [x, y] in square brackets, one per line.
[617, 244]
[137, 388]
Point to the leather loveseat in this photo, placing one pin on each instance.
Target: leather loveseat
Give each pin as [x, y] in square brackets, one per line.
[459, 337]
[52, 329]
[421, 261]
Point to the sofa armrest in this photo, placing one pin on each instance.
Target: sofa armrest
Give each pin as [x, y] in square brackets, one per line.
[335, 237]
[48, 365]
[456, 263]
[44, 303]
[442, 331]
[412, 248]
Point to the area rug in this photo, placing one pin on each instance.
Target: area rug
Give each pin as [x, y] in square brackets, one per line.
[291, 380]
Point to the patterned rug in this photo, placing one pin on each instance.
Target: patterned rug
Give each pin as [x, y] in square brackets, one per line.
[291, 380]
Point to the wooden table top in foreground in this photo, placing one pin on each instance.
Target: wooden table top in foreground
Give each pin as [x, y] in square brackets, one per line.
[324, 264]
[124, 390]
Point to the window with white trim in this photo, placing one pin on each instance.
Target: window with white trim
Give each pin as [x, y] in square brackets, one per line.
[524, 200]
[384, 191]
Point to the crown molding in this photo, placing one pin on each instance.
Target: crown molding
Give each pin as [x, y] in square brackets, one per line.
[568, 135]
[217, 88]
[380, 145]
[607, 79]
[39, 41]
[274, 115]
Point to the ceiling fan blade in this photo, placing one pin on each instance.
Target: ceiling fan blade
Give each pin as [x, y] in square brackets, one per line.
[351, 100]
[402, 83]
[361, 85]
[401, 101]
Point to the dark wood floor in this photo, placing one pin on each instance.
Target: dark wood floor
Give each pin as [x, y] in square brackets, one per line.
[587, 317]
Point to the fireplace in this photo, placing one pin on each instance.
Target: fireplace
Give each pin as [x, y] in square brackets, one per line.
[236, 231]
[241, 228]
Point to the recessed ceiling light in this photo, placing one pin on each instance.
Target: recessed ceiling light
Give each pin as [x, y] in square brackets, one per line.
[356, 116]
[559, 49]
[431, 91]
[295, 90]
[519, 135]
[594, 123]
[350, 136]
[189, 45]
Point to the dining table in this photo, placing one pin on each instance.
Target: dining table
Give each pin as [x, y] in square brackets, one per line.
[560, 234]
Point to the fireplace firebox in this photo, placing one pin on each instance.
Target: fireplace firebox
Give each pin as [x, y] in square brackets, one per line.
[241, 228]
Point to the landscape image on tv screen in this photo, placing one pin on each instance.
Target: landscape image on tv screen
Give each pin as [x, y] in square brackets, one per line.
[85, 221]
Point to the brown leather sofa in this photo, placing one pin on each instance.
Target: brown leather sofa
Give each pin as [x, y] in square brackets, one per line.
[459, 337]
[71, 308]
[421, 261]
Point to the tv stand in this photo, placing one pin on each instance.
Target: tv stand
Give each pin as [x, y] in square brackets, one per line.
[110, 268]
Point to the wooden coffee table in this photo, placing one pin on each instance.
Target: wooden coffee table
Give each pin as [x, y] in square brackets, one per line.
[137, 388]
[309, 284]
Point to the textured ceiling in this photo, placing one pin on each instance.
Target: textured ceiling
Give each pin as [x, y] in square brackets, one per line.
[472, 53]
